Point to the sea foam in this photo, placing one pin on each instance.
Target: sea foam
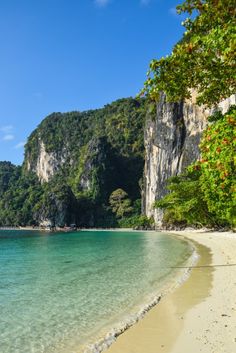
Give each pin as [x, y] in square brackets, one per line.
[109, 338]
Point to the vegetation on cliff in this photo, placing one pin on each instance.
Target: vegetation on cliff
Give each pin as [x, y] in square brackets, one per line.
[94, 153]
[203, 61]
[98, 155]
[19, 193]
[205, 194]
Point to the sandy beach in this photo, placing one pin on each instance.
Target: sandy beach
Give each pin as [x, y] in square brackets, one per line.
[198, 316]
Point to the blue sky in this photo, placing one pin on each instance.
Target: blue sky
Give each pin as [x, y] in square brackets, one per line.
[63, 55]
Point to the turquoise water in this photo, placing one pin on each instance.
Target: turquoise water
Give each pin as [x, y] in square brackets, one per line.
[58, 291]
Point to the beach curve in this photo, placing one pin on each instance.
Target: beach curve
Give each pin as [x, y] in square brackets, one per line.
[199, 315]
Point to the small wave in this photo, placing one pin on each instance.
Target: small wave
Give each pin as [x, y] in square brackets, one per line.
[105, 342]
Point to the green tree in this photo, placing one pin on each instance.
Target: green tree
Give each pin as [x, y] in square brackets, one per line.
[206, 193]
[120, 203]
[185, 204]
[204, 60]
[9, 174]
[19, 198]
[218, 166]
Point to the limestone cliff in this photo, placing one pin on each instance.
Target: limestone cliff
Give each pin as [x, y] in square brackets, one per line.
[80, 158]
[47, 163]
[171, 143]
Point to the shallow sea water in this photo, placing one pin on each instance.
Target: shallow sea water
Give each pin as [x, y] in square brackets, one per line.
[58, 291]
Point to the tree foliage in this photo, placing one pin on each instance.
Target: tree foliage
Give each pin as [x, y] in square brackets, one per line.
[218, 166]
[128, 213]
[9, 174]
[185, 204]
[19, 198]
[120, 203]
[206, 193]
[204, 60]
[95, 152]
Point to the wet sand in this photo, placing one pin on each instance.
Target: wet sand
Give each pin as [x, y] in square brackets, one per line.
[200, 315]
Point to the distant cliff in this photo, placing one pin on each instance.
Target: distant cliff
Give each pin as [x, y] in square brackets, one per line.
[66, 143]
[172, 135]
[76, 160]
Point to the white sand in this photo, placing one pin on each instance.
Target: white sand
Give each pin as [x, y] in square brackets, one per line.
[199, 316]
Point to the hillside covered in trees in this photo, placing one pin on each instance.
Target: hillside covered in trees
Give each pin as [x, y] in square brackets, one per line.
[73, 163]
[202, 68]
[87, 167]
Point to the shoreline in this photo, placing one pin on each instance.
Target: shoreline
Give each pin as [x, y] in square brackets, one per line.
[57, 229]
[201, 313]
[105, 340]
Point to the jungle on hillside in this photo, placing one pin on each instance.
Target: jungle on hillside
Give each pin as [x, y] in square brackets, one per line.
[203, 62]
[97, 159]
[86, 168]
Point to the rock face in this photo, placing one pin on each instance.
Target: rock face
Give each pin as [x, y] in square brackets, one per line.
[58, 208]
[80, 158]
[47, 163]
[96, 164]
[171, 143]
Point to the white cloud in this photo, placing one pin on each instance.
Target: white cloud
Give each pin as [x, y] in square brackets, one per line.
[6, 129]
[20, 145]
[8, 137]
[102, 3]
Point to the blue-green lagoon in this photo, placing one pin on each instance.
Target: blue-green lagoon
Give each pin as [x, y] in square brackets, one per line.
[59, 292]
